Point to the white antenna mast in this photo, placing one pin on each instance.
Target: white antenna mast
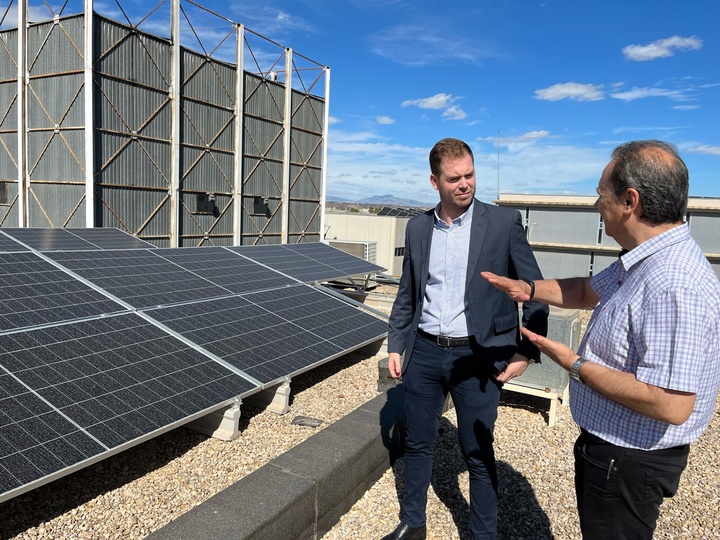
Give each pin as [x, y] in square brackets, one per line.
[498, 165]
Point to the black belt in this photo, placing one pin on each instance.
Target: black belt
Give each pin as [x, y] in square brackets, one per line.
[446, 341]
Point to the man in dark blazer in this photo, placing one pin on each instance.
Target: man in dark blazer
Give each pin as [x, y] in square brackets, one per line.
[458, 333]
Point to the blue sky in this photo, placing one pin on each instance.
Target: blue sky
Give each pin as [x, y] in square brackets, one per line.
[562, 81]
[557, 84]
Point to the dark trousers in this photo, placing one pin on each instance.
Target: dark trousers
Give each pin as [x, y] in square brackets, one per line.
[619, 490]
[434, 371]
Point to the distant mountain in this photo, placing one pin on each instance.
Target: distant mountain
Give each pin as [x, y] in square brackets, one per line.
[391, 200]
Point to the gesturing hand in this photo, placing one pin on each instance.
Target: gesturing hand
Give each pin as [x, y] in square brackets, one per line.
[559, 352]
[516, 289]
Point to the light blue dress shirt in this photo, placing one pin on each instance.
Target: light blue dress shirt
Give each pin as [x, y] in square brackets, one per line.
[444, 310]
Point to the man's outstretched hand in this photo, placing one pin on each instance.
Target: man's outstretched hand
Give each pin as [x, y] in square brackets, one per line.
[516, 289]
[557, 351]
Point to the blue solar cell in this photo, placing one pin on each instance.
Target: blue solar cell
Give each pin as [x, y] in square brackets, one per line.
[35, 430]
[139, 277]
[109, 238]
[8, 245]
[135, 380]
[272, 334]
[72, 239]
[34, 292]
[225, 269]
[308, 262]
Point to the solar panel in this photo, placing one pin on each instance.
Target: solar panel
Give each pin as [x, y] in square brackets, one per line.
[82, 376]
[75, 239]
[225, 269]
[7, 244]
[342, 263]
[36, 440]
[139, 277]
[400, 212]
[48, 239]
[309, 262]
[248, 333]
[33, 292]
[109, 238]
[72, 392]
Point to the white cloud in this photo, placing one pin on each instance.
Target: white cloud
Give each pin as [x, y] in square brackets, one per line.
[571, 90]
[333, 120]
[704, 149]
[352, 136]
[541, 168]
[641, 93]
[270, 21]
[686, 107]
[444, 102]
[454, 113]
[438, 101]
[421, 44]
[662, 48]
[642, 129]
[385, 120]
[36, 13]
[360, 166]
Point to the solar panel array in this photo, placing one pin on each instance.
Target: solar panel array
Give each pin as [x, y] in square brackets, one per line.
[107, 341]
[400, 212]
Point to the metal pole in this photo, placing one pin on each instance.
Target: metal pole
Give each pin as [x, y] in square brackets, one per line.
[21, 114]
[89, 120]
[323, 175]
[287, 141]
[238, 164]
[174, 94]
[498, 166]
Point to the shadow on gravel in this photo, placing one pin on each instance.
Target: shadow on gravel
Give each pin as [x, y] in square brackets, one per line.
[519, 513]
[518, 400]
[51, 500]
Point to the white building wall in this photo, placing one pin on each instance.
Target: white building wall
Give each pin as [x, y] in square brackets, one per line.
[387, 231]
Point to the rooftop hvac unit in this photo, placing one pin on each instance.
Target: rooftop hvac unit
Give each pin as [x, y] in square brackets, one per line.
[363, 249]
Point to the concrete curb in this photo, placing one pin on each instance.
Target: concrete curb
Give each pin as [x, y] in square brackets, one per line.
[302, 493]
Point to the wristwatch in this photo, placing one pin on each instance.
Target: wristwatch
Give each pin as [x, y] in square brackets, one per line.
[575, 369]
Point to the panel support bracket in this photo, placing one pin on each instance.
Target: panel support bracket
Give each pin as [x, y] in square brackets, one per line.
[275, 398]
[223, 424]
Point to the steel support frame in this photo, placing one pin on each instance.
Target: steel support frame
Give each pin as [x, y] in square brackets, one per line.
[22, 76]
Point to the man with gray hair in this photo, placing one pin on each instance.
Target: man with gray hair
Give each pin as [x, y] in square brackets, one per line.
[645, 378]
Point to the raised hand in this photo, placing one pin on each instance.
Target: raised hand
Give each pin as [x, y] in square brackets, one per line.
[516, 289]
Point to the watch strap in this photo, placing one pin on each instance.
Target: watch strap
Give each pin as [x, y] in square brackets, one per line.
[575, 369]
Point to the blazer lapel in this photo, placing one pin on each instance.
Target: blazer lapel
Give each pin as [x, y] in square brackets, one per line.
[477, 238]
[425, 239]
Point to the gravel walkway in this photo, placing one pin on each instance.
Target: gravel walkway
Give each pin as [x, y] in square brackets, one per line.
[537, 498]
[138, 491]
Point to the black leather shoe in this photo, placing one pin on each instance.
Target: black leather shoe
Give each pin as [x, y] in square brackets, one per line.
[406, 532]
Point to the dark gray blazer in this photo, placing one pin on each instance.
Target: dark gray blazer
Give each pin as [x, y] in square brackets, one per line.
[498, 244]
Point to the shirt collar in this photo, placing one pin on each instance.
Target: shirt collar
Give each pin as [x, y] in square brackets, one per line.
[458, 221]
[655, 244]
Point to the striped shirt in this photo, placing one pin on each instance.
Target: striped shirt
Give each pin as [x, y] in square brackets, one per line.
[659, 318]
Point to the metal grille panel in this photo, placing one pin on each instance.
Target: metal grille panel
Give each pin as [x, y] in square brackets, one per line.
[563, 226]
[55, 47]
[705, 229]
[563, 264]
